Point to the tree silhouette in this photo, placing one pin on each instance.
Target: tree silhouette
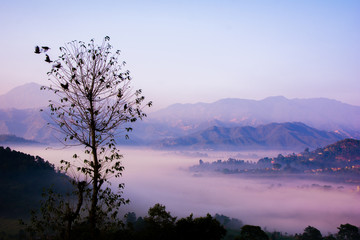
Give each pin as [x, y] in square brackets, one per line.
[348, 232]
[93, 107]
[311, 233]
[249, 232]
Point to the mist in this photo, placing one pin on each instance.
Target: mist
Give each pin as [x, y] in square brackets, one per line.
[275, 204]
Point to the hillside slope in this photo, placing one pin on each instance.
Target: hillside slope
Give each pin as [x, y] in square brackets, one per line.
[22, 179]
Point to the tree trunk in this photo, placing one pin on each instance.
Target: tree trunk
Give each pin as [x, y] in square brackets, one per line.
[96, 167]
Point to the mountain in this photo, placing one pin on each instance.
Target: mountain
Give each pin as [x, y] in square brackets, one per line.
[321, 113]
[30, 124]
[292, 136]
[26, 96]
[20, 116]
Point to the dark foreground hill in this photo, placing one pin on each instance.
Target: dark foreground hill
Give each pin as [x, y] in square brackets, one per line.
[22, 180]
[292, 136]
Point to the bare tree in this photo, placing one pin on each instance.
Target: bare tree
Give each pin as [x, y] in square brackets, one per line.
[94, 105]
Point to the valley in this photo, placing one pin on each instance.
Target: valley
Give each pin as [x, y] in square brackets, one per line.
[285, 204]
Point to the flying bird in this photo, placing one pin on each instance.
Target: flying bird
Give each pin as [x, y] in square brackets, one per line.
[45, 48]
[65, 86]
[37, 50]
[57, 65]
[47, 59]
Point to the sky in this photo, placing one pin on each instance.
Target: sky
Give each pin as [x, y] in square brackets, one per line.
[197, 51]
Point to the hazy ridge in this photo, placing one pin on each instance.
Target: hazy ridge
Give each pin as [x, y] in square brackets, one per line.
[20, 115]
[12, 139]
[273, 136]
[321, 113]
[25, 96]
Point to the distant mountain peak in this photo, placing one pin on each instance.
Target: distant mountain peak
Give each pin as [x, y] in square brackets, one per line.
[275, 98]
[25, 96]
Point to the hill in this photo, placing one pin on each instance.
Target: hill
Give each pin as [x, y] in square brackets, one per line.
[342, 154]
[270, 136]
[30, 124]
[22, 179]
[338, 162]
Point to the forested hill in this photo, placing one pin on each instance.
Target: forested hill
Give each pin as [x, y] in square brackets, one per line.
[22, 180]
[344, 153]
[347, 150]
[340, 160]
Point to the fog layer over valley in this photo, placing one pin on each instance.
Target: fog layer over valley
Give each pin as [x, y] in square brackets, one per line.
[286, 205]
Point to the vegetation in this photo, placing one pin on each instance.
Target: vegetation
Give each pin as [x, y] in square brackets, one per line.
[22, 180]
[94, 104]
[158, 224]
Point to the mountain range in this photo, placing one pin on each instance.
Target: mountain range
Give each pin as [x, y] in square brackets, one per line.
[292, 136]
[20, 116]
[321, 113]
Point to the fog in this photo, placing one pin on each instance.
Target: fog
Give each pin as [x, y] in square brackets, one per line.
[278, 204]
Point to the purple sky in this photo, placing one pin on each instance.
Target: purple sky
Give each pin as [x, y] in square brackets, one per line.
[192, 51]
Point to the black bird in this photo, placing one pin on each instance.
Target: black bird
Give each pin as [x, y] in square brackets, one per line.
[37, 50]
[65, 86]
[47, 59]
[45, 48]
[57, 65]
